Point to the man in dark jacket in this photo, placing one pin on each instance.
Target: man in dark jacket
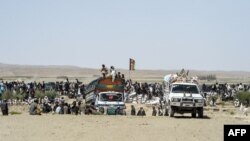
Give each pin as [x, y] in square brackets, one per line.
[133, 111]
[141, 112]
[4, 108]
[154, 113]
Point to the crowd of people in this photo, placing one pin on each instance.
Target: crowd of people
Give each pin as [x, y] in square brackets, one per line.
[29, 89]
[71, 89]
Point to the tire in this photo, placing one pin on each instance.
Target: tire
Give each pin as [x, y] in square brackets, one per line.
[193, 115]
[200, 112]
[171, 111]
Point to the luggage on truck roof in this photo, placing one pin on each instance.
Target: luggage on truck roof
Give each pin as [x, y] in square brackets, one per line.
[105, 84]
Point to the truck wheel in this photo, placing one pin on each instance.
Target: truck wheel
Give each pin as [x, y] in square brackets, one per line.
[171, 111]
[200, 112]
[193, 115]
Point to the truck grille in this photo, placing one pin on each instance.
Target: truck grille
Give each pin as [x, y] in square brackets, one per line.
[188, 100]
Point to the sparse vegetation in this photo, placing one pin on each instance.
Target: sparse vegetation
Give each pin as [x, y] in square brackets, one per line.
[62, 77]
[15, 113]
[49, 94]
[38, 94]
[18, 96]
[244, 97]
[7, 95]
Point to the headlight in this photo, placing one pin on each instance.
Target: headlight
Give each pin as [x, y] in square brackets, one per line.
[176, 99]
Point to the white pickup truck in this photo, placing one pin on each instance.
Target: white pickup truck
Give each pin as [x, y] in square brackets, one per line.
[184, 98]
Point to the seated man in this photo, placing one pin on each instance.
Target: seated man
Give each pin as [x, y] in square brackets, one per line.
[90, 109]
[141, 112]
[119, 111]
[34, 109]
[74, 109]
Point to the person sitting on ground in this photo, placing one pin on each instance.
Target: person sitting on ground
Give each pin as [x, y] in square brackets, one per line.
[119, 111]
[46, 100]
[154, 113]
[74, 109]
[4, 108]
[56, 105]
[141, 112]
[133, 111]
[81, 108]
[46, 108]
[90, 109]
[104, 71]
[34, 109]
[59, 109]
[66, 108]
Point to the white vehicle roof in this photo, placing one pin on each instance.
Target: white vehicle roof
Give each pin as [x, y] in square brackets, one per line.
[184, 83]
[110, 92]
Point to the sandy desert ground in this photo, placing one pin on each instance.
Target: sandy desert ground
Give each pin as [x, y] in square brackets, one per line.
[112, 128]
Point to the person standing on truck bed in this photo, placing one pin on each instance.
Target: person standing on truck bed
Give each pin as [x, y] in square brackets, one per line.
[113, 73]
[119, 75]
[104, 71]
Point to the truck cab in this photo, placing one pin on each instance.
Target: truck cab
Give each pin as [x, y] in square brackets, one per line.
[110, 100]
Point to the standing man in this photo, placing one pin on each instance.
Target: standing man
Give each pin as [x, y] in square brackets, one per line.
[133, 111]
[154, 113]
[113, 73]
[4, 108]
[104, 71]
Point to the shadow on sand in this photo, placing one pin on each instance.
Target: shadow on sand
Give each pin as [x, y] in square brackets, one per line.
[189, 117]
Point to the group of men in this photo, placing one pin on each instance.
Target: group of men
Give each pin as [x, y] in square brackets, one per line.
[141, 111]
[59, 107]
[112, 73]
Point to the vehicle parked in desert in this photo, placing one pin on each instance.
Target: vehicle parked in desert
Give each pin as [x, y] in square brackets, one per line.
[107, 96]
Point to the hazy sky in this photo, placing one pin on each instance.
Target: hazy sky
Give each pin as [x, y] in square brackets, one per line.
[158, 34]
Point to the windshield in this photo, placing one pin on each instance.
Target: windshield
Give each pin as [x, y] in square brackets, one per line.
[111, 97]
[185, 89]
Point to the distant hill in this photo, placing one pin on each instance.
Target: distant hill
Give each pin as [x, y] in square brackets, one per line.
[10, 71]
